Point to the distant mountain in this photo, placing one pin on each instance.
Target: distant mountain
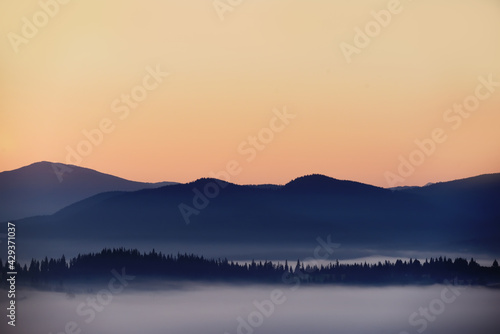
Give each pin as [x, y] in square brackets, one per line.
[461, 215]
[402, 188]
[44, 187]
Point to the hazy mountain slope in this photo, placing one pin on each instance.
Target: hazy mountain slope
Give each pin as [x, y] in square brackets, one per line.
[438, 216]
[38, 190]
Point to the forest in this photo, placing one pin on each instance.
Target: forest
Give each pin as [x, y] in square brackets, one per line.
[189, 267]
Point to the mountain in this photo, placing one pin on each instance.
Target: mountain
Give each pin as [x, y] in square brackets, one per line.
[45, 187]
[461, 215]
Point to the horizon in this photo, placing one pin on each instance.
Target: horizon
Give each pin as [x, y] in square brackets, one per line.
[310, 90]
[251, 184]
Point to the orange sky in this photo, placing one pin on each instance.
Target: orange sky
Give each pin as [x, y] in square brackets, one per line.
[352, 119]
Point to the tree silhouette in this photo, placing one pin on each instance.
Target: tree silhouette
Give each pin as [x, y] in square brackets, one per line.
[155, 265]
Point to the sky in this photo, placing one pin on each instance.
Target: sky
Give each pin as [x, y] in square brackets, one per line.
[388, 93]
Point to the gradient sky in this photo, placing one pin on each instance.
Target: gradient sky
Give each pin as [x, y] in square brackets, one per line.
[353, 120]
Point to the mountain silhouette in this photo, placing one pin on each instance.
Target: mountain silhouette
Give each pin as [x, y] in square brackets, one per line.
[461, 215]
[44, 187]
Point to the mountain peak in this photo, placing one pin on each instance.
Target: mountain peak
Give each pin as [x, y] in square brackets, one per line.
[207, 180]
[323, 183]
[312, 178]
[45, 187]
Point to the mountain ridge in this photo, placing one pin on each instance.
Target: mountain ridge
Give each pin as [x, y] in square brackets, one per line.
[44, 187]
[458, 215]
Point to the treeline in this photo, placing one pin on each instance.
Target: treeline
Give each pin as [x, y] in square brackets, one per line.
[94, 266]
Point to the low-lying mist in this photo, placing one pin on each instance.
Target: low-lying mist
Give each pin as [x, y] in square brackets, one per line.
[173, 307]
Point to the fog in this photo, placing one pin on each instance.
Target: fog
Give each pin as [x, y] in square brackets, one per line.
[194, 308]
